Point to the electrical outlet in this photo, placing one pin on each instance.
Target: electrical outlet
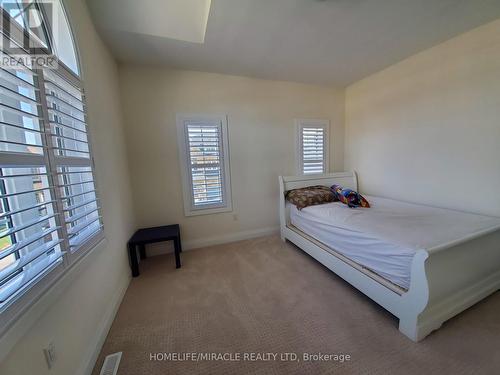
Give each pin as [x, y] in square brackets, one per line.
[235, 217]
[50, 354]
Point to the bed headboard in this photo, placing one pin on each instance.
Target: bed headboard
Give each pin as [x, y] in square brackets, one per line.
[344, 179]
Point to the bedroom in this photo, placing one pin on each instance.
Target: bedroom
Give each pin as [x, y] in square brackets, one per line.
[404, 93]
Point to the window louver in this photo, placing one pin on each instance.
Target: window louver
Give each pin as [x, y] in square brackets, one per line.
[30, 241]
[204, 145]
[74, 176]
[313, 148]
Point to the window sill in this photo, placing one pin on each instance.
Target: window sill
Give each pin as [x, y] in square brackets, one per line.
[207, 211]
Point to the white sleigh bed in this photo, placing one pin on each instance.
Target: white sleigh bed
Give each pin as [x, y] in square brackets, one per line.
[444, 278]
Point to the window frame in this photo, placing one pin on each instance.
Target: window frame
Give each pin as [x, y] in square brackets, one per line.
[190, 209]
[302, 123]
[38, 287]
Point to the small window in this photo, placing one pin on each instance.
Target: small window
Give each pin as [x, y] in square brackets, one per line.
[204, 162]
[312, 146]
[64, 45]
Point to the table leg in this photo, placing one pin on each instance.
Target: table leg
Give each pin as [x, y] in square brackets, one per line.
[142, 251]
[180, 247]
[134, 264]
[177, 247]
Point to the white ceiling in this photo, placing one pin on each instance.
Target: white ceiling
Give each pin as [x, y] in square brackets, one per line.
[315, 41]
[184, 20]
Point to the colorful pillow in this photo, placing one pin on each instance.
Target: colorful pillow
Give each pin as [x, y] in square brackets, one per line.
[310, 196]
[350, 197]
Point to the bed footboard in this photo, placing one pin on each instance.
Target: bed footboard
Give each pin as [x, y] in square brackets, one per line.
[456, 276]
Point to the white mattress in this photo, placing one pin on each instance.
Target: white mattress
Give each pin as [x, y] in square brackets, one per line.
[385, 237]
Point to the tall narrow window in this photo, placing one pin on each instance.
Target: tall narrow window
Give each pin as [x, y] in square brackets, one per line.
[204, 160]
[312, 146]
[49, 212]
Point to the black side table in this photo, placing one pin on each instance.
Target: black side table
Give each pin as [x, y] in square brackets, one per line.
[152, 235]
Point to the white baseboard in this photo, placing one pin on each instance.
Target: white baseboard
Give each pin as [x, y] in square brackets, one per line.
[230, 237]
[94, 348]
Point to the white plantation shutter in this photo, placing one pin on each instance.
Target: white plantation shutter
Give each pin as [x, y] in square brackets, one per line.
[72, 159]
[205, 159]
[49, 212]
[204, 163]
[313, 150]
[30, 237]
[312, 146]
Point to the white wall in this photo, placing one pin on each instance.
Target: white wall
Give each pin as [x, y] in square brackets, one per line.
[428, 128]
[74, 317]
[261, 142]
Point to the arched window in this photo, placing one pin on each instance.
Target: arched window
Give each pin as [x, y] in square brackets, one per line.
[49, 212]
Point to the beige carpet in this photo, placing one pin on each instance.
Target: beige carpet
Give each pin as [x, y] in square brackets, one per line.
[266, 296]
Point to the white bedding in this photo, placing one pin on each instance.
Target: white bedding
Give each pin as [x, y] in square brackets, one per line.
[385, 236]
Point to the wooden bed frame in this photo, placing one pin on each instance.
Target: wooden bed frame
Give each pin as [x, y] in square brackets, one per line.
[445, 280]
